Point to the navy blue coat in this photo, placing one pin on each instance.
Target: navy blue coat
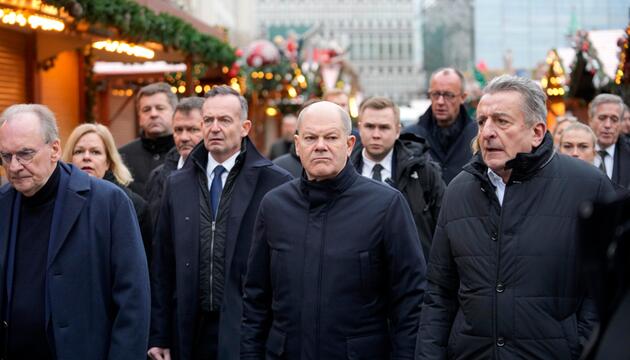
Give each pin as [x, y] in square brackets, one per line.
[175, 267]
[97, 283]
[335, 272]
[459, 154]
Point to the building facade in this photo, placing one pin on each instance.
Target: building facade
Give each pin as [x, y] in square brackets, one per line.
[382, 38]
[522, 32]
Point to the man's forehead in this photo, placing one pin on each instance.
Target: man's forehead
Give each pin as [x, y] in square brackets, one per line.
[608, 107]
[154, 99]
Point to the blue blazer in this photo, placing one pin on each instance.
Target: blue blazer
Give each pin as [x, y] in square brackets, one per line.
[97, 281]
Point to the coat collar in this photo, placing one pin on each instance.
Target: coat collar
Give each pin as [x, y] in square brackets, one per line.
[524, 165]
[321, 192]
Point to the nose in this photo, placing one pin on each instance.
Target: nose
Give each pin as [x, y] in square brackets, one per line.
[320, 145]
[14, 164]
[487, 130]
[575, 153]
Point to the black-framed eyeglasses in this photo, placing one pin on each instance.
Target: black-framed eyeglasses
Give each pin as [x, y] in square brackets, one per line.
[24, 157]
[447, 95]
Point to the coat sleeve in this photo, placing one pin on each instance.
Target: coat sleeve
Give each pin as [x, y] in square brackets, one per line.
[257, 294]
[440, 300]
[162, 278]
[587, 317]
[437, 189]
[406, 276]
[130, 284]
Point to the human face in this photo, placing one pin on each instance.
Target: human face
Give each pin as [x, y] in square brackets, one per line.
[155, 113]
[379, 130]
[625, 123]
[187, 131]
[503, 132]
[339, 99]
[322, 142]
[579, 144]
[23, 133]
[445, 111]
[222, 127]
[606, 123]
[89, 155]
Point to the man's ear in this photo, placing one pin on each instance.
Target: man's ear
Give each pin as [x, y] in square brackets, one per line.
[296, 141]
[351, 141]
[539, 129]
[56, 150]
[246, 125]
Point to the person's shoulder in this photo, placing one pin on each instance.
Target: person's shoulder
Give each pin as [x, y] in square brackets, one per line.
[570, 167]
[131, 146]
[282, 194]
[275, 172]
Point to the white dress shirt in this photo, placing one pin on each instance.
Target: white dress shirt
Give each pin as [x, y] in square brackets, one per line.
[609, 161]
[386, 163]
[227, 164]
[180, 163]
[499, 185]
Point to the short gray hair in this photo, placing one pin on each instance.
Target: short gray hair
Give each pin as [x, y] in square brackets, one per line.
[157, 88]
[186, 105]
[345, 118]
[578, 126]
[223, 90]
[534, 104]
[605, 99]
[47, 120]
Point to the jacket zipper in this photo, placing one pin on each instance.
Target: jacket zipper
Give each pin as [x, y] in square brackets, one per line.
[319, 285]
[496, 297]
[212, 261]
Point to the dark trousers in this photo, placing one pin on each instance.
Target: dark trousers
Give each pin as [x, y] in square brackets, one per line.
[206, 336]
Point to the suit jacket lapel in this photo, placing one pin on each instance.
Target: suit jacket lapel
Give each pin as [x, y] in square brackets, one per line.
[68, 207]
[6, 204]
[245, 184]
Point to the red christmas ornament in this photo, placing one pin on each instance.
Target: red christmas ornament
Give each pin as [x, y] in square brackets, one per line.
[261, 52]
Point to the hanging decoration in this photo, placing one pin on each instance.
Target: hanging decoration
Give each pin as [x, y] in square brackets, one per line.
[587, 74]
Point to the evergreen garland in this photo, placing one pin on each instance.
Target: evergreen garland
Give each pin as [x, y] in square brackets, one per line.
[139, 24]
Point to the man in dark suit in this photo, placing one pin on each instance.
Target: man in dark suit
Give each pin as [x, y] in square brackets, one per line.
[446, 124]
[613, 153]
[203, 236]
[318, 286]
[72, 266]
[283, 145]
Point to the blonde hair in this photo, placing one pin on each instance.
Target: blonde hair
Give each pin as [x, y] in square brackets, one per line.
[116, 164]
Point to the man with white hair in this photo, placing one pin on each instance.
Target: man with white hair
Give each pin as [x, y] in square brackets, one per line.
[503, 276]
[73, 271]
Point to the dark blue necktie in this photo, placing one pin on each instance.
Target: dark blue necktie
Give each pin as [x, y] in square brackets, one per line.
[215, 189]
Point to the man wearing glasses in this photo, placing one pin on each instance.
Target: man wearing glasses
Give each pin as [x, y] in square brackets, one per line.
[73, 273]
[446, 124]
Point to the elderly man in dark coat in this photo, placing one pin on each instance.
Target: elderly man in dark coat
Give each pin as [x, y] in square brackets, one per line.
[504, 271]
[203, 236]
[72, 266]
[336, 270]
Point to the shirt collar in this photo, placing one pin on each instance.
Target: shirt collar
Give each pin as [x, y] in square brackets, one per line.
[180, 162]
[610, 150]
[227, 164]
[386, 163]
[495, 179]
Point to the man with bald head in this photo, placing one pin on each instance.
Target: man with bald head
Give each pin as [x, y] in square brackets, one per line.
[318, 286]
[446, 124]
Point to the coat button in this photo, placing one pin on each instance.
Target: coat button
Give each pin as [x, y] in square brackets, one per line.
[187, 264]
[5, 324]
[187, 218]
[493, 236]
[500, 341]
[500, 287]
